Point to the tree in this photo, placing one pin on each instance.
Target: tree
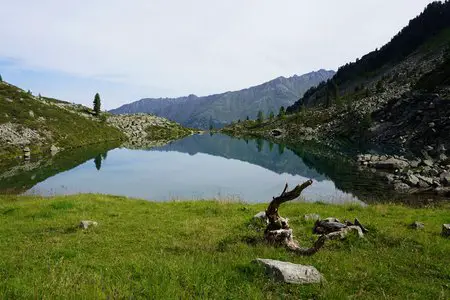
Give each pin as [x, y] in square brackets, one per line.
[1, 78]
[271, 116]
[260, 117]
[247, 118]
[211, 125]
[97, 104]
[282, 112]
[98, 162]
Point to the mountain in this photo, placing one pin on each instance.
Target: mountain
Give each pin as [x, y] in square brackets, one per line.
[220, 109]
[414, 51]
[396, 98]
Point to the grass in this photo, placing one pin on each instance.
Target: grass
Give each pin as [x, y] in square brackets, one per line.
[65, 128]
[205, 250]
[171, 131]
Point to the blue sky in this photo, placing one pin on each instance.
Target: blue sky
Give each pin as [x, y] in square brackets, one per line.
[127, 50]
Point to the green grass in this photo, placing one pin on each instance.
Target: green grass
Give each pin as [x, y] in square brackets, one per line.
[67, 129]
[205, 250]
[172, 131]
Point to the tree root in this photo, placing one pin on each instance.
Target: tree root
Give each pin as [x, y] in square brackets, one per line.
[278, 231]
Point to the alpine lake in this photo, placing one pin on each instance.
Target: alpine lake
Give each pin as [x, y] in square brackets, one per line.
[202, 166]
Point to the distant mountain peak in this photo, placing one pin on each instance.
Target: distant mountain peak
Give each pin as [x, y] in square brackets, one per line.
[220, 109]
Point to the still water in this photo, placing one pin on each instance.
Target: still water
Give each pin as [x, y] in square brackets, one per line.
[197, 167]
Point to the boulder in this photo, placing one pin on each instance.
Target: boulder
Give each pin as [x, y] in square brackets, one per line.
[417, 225]
[446, 230]
[445, 178]
[412, 180]
[391, 164]
[54, 149]
[401, 187]
[427, 180]
[428, 162]
[289, 272]
[86, 224]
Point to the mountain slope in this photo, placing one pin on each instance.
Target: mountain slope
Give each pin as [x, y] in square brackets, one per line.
[39, 122]
[409, 54]
[220, 109]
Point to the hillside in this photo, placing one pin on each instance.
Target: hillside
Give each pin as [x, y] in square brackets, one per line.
[41, 123]
[393, 104]
[220, 109]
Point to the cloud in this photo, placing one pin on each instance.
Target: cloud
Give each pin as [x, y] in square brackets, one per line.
[198, 46]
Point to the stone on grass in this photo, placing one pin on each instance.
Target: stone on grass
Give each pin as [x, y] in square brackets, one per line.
[311, 217]
[86, 224]
[261, 216]
[446, 230]
[417, 225]
[289, 272]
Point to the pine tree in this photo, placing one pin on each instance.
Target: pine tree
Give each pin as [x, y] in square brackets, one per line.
[97, 104]
[282, 112]
[1, 78]
[260, 117]
[271, 116]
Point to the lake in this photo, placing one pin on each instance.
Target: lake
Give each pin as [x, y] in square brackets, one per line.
[196, 167]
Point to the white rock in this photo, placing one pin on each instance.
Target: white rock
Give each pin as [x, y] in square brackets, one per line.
[289, 272]
[86, 224]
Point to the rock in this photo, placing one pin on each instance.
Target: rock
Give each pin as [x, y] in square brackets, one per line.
[289, 272]
[431, 124]
[427, 162]
[443, 157]
[31, 113]
[412, 180]
[446, 230]
[417, 225]
[54, 149]
[414, 163]
[26, 153]
[445, 178]
[261, 216]
[428, 180]
[277, 132]
[313, 217]
[401, 187]
[390, 164]
[86, 224]
[442, 191]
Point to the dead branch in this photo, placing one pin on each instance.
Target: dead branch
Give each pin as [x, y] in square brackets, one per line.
[278, 231]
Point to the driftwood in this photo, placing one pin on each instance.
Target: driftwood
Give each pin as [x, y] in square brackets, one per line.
[279, 232]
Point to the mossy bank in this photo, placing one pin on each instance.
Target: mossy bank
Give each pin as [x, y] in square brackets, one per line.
[205, 249]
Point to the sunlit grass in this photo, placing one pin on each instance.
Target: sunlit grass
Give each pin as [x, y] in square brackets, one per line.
[205, 249]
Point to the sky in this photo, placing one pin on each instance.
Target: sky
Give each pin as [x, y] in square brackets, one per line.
[127, 50]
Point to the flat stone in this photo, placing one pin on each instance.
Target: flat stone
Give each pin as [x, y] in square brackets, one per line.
[289, 272]
[86, 224]
[414, 163]
[417, 225]
[446, 230]
[428, 180]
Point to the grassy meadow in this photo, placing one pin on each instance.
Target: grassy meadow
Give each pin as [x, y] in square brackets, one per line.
[205, 250]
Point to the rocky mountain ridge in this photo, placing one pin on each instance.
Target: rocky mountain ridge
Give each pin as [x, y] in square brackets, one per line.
[220, 109]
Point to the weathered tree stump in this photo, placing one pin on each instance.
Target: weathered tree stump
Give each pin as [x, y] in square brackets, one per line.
[278, 230]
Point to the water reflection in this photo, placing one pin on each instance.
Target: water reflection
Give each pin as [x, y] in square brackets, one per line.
[197, 167]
